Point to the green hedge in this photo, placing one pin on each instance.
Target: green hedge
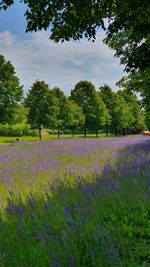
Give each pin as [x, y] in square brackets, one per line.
[17, 130]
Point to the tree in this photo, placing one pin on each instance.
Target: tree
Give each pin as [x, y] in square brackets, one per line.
[117, 113]
[67, 19]
[124, 109]
[85, 95]
[147, 119]
[128, 33]
[107, 96]
[107, 120]
[125, 117]
[20, 114]
[138, 82]
[99, 114]
[61, 118]
[40, 105]
[135, 116]
[75, 117]
[11, 92]
[118, 109]
[53, 110]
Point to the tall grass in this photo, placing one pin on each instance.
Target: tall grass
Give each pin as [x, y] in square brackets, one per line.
[81, 202]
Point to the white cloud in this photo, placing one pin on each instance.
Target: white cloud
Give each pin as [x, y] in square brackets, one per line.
[6, 39]
[62, 64]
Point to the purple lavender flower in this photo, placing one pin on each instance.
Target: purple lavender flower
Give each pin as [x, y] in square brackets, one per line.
[55, 261]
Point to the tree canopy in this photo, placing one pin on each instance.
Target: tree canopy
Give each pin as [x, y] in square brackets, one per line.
[61, 116]
[39, 103]
[11, 92]
[75, 117]
[124, 110]
[139, 82]
[85, 95]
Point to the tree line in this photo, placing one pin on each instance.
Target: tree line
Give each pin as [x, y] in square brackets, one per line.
[85, 110]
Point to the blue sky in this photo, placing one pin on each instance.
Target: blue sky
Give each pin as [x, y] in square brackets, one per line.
[34, 56]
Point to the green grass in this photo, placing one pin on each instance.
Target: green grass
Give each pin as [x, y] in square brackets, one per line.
[6, 139]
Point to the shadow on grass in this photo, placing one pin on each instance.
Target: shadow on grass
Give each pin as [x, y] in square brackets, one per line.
[99, 223]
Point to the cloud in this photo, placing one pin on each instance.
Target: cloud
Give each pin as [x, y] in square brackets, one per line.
[62, 64]
[6, 39]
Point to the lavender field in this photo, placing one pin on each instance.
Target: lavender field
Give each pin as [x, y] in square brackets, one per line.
[75, 203]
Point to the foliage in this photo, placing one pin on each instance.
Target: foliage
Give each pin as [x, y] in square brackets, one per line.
[106, 94]
[11, 92]
[75, 117]
[116, 107]
[147, 119]
[39, 103]
[128, 33]
[62, 112]
[85, 95]
[124, 110]
[17, 130]
[65, 18]
[20, 114]
[99, 115]
[139, 82]
[135, 117]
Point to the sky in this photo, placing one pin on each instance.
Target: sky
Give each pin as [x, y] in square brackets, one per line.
[34, 56]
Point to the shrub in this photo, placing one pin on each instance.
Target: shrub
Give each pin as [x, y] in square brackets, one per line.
[17, 130]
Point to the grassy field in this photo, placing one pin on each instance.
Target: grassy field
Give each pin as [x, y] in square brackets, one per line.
[5, 139]
[75, 202]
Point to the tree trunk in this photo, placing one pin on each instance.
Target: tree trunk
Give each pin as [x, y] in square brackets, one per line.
[73, 133]
[84, 130]
[58, 133]
[96, 133]
[106, 130]
[124, 131]
[40, 137]
[115, 130]
[84, 112]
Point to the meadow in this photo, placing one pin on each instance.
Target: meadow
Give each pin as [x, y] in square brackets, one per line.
[75, 202]
[9, 139]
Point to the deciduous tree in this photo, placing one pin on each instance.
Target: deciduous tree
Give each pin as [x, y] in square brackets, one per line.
[106, 94]
[61, 118]
[40, 105]
[85, 95]
[11, 92]
[75, 117]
